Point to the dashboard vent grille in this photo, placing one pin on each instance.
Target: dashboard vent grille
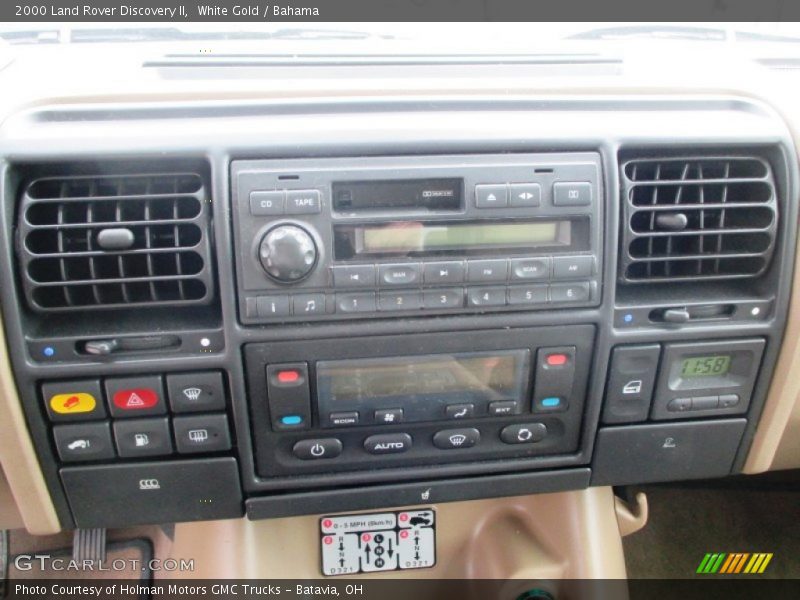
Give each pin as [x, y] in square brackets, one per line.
[115, 241]
[697, 218]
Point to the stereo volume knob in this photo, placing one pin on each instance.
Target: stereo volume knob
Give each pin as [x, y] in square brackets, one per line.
[288, 253]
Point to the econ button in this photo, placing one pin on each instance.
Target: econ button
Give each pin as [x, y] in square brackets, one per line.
[78, 400]
[317, 448]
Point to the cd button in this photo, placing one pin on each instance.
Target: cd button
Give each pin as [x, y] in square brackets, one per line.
[407, 274]
[302, 202]
[491, 196]
[486, 296]
[356, 276]
[572, 292]
[317, 448]
[525, 194]
[487, 270]
[525, 433]
[388, 443]
[450, 439]
[266, 203]
[452, 298]
[355, 303]
[444, 272]
[569, 267]
[530, 268]
[389, 301]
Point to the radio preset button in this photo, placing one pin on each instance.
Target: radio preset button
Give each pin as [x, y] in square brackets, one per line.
[355, 303]
[389, 301]
[572, 194]
[524, 433]
[452, 439]
[389, 416]
[317, 448]
[267, 203]
[302, 202]
[272, 306]
[524, 194]
[444, 272]
[356, 276]
[487, 270]
[487, 296]
[503, 408]
[406, 274]
[459, 411]
[570, 292]
[343, 419]
[491, 196]
[388, 443]
[527, 269]
[570, 267]
[452, 298]
[532, 294]
[728, 400]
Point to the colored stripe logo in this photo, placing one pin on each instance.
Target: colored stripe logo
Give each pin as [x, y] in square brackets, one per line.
[734, 563]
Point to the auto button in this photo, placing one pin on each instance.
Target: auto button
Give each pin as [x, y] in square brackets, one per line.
[389, 443]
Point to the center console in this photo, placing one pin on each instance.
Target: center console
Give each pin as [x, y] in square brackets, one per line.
[284, 329]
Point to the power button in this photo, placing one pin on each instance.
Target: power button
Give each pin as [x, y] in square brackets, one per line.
[317, 448]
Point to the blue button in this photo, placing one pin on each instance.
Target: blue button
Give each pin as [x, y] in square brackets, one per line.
[551, 402]
[292, 420]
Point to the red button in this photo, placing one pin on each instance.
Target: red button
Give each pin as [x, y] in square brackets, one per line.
[135, 399]
[288, 376]
[556, 360]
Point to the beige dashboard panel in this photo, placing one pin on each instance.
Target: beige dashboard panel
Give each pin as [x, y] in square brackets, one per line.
[567, 535]
[776, 444]
[18, 457]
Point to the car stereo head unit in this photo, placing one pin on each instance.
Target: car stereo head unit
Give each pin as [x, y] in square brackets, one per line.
[406, 236]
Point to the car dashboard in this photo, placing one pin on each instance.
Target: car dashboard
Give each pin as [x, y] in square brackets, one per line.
[275, 304]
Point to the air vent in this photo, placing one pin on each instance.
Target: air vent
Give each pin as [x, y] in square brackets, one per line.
[115, 241]
[697, 218]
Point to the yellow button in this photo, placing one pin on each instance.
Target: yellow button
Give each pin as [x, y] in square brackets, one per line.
[68, 404]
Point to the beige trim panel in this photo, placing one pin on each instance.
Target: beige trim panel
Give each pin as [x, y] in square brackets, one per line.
[567, 535]
[18, 457]
[776, 444]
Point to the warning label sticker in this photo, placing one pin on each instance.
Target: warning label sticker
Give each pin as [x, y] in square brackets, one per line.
[369, 543]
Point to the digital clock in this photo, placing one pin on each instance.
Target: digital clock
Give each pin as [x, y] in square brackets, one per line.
[706, 366]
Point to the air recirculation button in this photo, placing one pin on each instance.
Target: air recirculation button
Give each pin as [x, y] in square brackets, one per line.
[288, 253]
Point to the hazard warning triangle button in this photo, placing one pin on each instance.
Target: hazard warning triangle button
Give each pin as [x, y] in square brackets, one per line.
[135, 396]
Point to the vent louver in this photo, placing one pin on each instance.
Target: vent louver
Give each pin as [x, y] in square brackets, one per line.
[115, 241]
[697, 218]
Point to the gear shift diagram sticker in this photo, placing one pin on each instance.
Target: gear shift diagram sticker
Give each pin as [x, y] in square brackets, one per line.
[374, 542]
